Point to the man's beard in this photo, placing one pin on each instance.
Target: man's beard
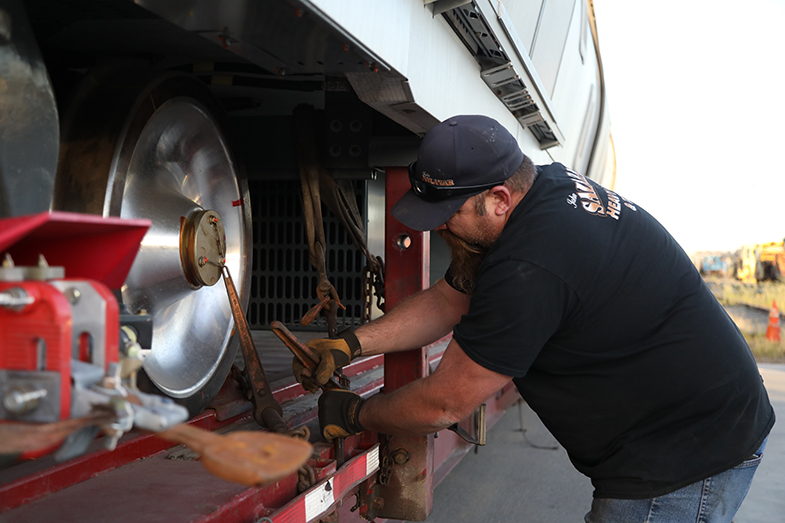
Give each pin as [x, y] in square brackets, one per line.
[466, 259]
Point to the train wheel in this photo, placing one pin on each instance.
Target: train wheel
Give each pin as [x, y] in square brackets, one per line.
[136, 143]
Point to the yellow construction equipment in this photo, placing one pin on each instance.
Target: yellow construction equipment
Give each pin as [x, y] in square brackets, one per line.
[761, 262]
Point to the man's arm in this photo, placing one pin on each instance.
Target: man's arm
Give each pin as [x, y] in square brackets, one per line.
[419, 320]
[450, 394]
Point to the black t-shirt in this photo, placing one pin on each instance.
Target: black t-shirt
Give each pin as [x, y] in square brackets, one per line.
[614, 340]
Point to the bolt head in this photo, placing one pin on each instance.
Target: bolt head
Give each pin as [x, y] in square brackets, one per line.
[401, 458]
[73, 295]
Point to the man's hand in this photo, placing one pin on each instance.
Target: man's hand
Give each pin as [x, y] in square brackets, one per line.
[333, 354]
[339, 413]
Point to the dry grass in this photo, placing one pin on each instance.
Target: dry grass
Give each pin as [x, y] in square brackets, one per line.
[733, 292]
[766, 351]
[759, 295]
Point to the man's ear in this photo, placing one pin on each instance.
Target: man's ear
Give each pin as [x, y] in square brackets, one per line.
[501, 200]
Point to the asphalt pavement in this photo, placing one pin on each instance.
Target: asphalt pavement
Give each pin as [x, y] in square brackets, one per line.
[765, 502]
[524, 475]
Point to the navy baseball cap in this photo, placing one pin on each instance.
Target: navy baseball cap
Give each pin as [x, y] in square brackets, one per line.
[458, 158]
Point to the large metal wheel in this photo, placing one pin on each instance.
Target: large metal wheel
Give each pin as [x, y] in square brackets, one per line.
[142, 144]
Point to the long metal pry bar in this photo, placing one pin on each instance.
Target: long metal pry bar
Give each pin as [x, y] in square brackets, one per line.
[267, 411]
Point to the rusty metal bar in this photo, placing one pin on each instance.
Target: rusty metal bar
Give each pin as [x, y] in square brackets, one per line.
[267, 411]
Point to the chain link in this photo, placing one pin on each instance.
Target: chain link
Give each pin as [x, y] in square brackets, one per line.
[386, 470]
[374, 284]
[306, 478]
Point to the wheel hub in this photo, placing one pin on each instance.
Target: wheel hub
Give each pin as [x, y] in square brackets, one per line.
[202, 247]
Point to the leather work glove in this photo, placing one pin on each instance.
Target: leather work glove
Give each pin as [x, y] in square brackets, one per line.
[334, 353]
[339, 413]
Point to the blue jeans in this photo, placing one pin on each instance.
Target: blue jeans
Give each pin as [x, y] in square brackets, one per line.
[714, 500]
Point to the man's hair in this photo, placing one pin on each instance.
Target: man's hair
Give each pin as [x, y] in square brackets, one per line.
[520, 182]
[523, 179]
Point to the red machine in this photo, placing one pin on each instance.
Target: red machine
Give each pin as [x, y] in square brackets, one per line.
[60, 337]
[37, 340]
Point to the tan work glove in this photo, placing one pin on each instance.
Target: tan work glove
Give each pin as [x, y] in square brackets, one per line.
[334, 353]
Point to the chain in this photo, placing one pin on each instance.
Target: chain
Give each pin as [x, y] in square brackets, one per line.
[302, 432]
[367, 295]
[378, 284]
[306, 478]
[386, 470]
[374, 284]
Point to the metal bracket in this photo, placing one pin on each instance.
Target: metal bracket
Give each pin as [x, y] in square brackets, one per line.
[479, 426]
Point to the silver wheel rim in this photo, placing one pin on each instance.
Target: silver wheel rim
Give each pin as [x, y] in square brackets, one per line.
[179, 165]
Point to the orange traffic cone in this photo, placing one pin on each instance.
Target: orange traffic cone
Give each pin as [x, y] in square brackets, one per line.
[773, 331]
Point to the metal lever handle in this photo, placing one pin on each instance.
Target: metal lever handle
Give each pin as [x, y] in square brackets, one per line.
[267, 411]
[302, 352]
[479, 428]
[308, 358]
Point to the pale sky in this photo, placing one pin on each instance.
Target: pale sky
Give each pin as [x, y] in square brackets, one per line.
[696, 91]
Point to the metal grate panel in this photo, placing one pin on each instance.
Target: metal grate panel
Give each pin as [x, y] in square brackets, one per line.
[283, 282]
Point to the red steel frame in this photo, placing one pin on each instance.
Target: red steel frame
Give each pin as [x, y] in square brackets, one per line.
[408, 496]
[407, 271]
